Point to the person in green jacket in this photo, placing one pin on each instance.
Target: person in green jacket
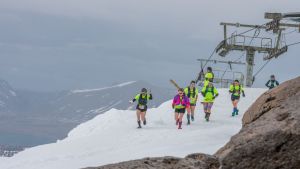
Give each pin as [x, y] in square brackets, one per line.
[272, 82]
[209, 93]
[236, 90]
[141, 107]
[209, 76]
[192, 93]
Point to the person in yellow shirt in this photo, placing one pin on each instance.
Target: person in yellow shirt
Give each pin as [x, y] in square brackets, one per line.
[141, 107]
[192, 93]
[236, 90]
[209, 93]
[209, 76]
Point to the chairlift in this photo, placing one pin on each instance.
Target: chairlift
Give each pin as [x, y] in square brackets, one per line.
[222, 78]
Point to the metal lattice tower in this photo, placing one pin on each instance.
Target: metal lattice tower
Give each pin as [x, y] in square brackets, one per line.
[266, 46]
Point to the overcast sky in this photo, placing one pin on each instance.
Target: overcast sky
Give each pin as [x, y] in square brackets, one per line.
[50, 45]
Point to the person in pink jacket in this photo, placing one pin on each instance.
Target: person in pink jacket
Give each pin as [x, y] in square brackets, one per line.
[181, 103]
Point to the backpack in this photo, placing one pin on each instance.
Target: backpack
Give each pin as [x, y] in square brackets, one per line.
[273, 83]
[189, 92]
[212, 90]
[234, 90]
[143, 101]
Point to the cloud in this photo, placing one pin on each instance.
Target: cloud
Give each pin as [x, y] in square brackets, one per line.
[75, 42]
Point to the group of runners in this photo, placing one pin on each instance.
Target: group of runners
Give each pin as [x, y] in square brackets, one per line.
[186, 99]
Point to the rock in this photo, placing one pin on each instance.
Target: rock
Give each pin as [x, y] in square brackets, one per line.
[193, 161]
[270, 137]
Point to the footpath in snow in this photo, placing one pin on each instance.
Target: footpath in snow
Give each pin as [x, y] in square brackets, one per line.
[113, 137]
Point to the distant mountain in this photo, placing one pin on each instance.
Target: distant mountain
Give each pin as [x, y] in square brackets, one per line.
[30, 118]
[78, 106]
[9, 151]
[8, 97]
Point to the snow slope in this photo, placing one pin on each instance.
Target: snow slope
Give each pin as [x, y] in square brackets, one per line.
[112, 137]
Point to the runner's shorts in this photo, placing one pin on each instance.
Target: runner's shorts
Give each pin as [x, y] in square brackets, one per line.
[180, 110]
[142, 108]
[233, 97]
[193, 104]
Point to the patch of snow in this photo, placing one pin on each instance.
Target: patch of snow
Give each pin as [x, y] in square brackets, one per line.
[100, 89]
[113, 137]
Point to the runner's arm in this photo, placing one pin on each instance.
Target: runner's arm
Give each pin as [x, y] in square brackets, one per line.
[150, 96]
[267, 84]
[243, 92]
[203, 91]
[136, 98]
[231, 89]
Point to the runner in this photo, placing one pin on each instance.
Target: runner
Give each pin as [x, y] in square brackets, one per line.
[192, 93]
[272, 82]
[236, 89]
[180, 103]
[209, 76]
[209, 93]
[141, 107]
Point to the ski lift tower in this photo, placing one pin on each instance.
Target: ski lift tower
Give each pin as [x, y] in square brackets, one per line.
[236, 42]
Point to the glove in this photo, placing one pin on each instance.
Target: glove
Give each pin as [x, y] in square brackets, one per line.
[214, 97]
[173, 106]
[130, 101]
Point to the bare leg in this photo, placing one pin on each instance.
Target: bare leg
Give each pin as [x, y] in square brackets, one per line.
[188, 115]
[235, 103]
[176, 116]
[210, 106]
[138, 115]
[193, 110]
[206, 110]
[205, 107]
[180, 117]
[235, 110]
[235, 106]
[143, 114]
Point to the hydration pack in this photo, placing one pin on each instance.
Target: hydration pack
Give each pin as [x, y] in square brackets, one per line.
[212, 90]
[234, 90]
[143, 101]
[189, 92]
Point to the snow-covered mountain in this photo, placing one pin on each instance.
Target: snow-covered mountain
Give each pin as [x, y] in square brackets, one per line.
[77, 106]
[112, 137]
[7, 97]
[30, 118]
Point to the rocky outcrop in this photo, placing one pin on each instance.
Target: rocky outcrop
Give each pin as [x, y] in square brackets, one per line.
[270, 137]
[193, 161]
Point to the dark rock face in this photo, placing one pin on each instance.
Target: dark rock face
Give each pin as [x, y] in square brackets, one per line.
[193, 161]
[270, 137]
